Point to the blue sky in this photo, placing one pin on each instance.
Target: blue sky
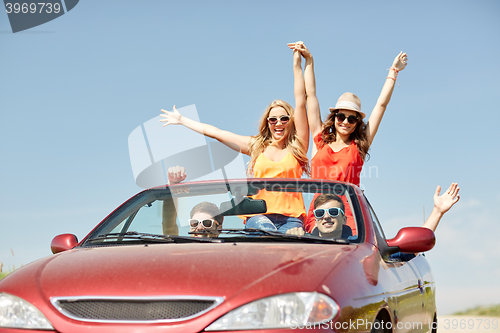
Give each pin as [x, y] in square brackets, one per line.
[73, 89]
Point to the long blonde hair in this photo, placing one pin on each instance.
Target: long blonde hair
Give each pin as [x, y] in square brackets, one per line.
[260, 141]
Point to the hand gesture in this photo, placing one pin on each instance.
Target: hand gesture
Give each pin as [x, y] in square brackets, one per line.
[176, 174]
[295, 231]
[171, 117]
[301, 47]
[444, 202]
[400, 61]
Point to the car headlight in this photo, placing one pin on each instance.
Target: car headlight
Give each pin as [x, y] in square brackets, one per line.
[280, 311]
[17, 313]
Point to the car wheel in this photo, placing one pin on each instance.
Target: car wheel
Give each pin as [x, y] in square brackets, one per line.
[435, 325]
[380, 326]
[377, 327]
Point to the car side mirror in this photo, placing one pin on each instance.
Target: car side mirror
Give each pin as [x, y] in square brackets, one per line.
[63, 242]
[413, 240]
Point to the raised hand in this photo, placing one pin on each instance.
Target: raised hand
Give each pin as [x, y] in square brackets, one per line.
[171, 117]
[176, 174]
[301, 47]
[444, 202]
[400, 61]
[296, 231]
[297, 58]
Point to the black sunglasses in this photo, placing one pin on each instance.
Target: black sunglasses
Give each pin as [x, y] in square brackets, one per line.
[282, 119]
[333, 212]
[207, 223]
[351, 119]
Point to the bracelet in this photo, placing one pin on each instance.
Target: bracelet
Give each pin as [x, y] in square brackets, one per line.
[394, 78]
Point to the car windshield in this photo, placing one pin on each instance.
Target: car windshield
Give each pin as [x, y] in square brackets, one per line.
[218, 211]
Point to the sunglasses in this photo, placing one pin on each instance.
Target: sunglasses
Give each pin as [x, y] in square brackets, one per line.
[207, 223]
[282, 119]
[351, 119]
[333, 212]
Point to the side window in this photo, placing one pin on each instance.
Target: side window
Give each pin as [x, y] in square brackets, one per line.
[376, 223]
[395, 257]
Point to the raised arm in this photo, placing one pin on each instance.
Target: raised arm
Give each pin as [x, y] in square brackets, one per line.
[301, 125]
[228, 138]
[169, 214]
[398, 65]
[313, 111]
[442, 204]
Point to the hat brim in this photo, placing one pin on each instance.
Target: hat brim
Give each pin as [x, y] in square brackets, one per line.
[363, 115]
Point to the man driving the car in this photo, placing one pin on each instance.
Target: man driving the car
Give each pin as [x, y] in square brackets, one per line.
[329, 212]
[330, 218]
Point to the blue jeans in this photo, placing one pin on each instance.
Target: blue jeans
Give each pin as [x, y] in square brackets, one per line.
[274, 222]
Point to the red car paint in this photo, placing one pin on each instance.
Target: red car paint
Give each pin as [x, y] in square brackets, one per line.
[358, 277]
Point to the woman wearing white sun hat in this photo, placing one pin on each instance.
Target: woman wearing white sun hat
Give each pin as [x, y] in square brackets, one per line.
[342, 141]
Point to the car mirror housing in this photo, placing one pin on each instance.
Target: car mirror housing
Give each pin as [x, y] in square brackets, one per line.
[413, 240]
[63, 242]
[245, 206]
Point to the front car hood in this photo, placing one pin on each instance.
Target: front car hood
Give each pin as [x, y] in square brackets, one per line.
[188, 269]
[232, 273]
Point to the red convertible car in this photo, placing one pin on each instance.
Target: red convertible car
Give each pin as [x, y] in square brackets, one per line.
[180, 258]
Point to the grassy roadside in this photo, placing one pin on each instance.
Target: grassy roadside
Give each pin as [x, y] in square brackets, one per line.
[3, 274]
[490, 311]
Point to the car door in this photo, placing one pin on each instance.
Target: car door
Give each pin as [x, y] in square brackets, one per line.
[406, 286]
[427, 289]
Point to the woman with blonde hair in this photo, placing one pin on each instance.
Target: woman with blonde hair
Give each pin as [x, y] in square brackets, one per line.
[279, 150]
[342, 141]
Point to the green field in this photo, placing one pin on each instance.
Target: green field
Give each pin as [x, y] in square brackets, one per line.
[3, 274]
[491, 311]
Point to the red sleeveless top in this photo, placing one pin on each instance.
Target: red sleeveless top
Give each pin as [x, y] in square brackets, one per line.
[344, 165]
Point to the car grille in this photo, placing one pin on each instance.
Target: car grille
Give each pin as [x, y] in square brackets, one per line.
[133, 309]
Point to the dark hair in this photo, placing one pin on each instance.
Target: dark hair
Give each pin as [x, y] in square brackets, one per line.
[209, 208]
[324, 198]
[328, 134]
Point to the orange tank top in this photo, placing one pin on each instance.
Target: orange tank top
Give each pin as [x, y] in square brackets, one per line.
[285, 203]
